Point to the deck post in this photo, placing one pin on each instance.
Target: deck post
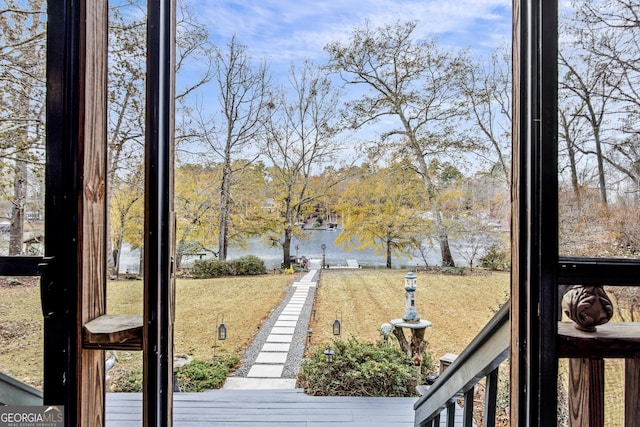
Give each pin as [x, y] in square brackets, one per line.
[632, 393]
[74, 276]
[92, 287]
[586, 392]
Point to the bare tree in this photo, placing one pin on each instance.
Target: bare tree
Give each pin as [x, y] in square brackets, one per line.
[416, 82]
[22, 73]
[605, 38]
[126, 86]
[243, 97]
[488, 89]
[593, 83]
[300, 140]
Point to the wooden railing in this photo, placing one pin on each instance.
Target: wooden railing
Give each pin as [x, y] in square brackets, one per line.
[479, 360]
[14, 392]
[586, 352]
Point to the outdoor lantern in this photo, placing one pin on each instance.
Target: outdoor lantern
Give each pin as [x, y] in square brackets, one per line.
[309, 332]
[222, 329]
[324, 248]
[328, 353]
[336, 324]
[222, 332]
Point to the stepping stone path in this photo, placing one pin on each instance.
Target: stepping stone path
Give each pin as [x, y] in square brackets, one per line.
[267, 370]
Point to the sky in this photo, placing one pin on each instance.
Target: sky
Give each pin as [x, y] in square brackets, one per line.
[282, 31]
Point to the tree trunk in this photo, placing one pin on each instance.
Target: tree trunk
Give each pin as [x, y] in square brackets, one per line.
[445, 250]
[574, 172]
[423, 169]
[286, 248]
[16, 235]
[601, 171]
[388, 251]
[141, 261]
[225, 202]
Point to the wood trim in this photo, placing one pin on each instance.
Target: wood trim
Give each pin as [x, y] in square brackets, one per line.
[612, 340]
[92, 154]
[158, 233]
[113, 333]
[517, 295]
[598, 271]
[20, 265]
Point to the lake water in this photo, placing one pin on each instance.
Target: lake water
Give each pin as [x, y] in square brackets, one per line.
[311, 247]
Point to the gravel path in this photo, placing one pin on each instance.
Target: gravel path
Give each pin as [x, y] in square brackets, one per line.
[298, 344]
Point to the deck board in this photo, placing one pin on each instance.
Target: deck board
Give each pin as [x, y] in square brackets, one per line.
[253, 408]
[270, 408]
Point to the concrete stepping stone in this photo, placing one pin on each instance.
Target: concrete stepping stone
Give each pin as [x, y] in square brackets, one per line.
[280, 338]
[279, 347]
[282, 331]
[285, 324]
[271, 358]
[265, 371]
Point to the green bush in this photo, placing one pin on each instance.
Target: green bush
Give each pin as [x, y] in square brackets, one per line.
[247, 265]
[495, 259]
[199, 375]
[358, 369]
[207, 268]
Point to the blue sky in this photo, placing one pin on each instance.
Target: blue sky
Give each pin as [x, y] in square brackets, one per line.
[285, 31]
[282, 31]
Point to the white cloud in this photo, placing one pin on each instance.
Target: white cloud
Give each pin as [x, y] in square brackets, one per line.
[284, 30]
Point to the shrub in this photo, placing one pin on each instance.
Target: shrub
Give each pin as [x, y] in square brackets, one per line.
[247, 265]
[207, 268]
[129, 381]
[358, 369]
[495, 259]
[199, 375]
[453, 271]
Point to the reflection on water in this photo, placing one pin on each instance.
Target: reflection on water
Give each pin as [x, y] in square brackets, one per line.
[311, 247]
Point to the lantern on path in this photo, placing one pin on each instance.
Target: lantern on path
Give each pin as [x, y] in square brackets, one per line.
[337, 325]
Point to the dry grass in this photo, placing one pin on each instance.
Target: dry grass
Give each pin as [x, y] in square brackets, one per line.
[21, 331]
[458, 306]
[245, 302]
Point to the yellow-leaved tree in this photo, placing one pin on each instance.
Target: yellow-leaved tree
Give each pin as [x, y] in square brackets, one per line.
[126, 214]
[385, 209]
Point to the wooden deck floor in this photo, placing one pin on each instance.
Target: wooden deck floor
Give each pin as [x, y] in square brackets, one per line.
[253, 408]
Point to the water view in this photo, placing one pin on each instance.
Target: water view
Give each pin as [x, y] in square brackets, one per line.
[311, 247]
